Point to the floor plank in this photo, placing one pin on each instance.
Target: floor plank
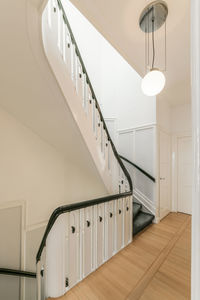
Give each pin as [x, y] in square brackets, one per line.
[172, 281]
[156, 265]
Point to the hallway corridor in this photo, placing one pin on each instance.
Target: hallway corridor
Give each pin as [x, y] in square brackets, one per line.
[155, 266]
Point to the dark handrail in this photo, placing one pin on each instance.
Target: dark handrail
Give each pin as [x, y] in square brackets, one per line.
[71, 207]
[140, 169]
[17, 273]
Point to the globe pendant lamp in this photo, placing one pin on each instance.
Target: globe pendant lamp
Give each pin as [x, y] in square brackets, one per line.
[152, 18]
[153, 82]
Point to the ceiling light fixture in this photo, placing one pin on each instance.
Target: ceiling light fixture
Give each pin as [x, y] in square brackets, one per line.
[152, 18]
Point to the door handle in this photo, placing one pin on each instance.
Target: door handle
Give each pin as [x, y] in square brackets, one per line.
[100, 219]
[88, 223]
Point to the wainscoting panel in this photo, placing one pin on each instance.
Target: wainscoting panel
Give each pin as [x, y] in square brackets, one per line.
[10, 250]
[139, 146]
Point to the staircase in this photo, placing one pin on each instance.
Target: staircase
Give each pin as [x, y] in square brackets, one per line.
[140, 219]
[80, 237]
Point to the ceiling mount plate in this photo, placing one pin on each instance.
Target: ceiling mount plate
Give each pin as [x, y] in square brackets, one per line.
[153, 16]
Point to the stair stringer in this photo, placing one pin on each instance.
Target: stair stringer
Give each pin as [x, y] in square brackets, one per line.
[48, 56]
[74, 102]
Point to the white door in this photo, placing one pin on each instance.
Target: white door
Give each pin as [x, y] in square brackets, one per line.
[165, 197]
[185, 175]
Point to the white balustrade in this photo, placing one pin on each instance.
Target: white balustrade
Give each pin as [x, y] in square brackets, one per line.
[94, 117]
[82, 240]
[68, 52]
[90, 107]
[119, 224]
[100, 234]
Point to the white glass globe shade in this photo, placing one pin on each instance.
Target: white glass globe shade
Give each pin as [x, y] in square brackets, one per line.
[153, 83]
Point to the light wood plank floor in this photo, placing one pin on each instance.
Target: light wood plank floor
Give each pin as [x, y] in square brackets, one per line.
[155, 266]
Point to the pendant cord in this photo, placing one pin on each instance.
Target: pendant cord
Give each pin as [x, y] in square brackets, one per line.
[153, 43]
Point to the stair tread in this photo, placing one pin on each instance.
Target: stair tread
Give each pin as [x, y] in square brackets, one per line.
[141, 221]
[136, 209]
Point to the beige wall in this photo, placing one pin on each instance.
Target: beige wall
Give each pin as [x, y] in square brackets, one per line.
[181, 119]
[174, 119]
[33, 171]
[163, 114]
[35, 174]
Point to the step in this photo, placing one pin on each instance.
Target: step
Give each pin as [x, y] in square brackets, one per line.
[141, 221]
[136, 209]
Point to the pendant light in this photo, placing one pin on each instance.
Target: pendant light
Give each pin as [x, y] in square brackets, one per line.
[151, 19]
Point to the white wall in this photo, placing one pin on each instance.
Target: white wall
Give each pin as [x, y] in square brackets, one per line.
[115, 82]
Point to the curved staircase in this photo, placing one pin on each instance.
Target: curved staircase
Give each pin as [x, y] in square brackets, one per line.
[80, 237]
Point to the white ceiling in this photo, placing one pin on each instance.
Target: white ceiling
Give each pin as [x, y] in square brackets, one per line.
[118, 22]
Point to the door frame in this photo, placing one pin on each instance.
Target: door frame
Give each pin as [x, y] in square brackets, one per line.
[174, 167]
[195, 81]
[159, 129]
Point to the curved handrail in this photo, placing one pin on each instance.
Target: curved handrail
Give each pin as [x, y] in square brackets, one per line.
[67, 208]
[140, 169]
[71, 207]
[19, 273]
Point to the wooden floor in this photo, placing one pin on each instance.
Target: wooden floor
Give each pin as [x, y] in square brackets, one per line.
[155, 266]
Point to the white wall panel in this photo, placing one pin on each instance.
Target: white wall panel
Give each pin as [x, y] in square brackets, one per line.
[87, 240]
[9, 288]
[73, 248]
[55, 259]
[139, 146]
[126, 144]
[127, 219]
[10, 250]
[120, 224]
[109, 229]
[145, 149]
[100, 233]
[10, 237]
